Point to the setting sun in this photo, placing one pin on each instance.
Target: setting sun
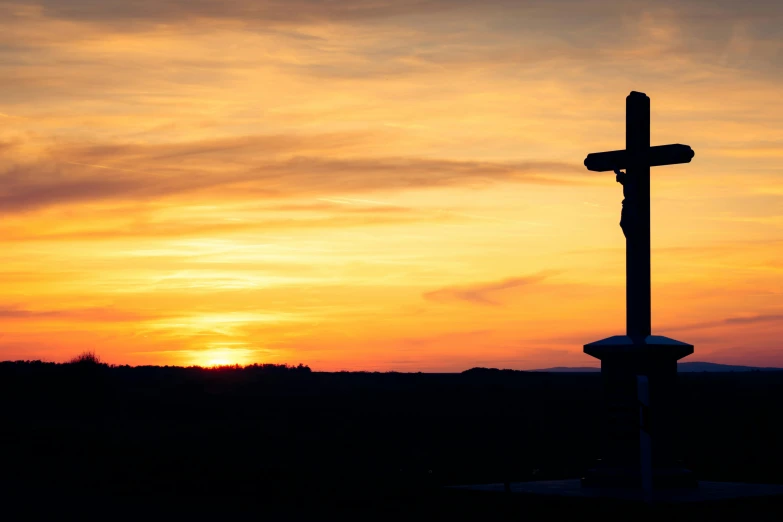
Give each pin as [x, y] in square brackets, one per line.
[213, 358]
[217, 362]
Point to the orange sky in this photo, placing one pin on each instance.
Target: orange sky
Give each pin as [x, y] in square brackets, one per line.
[381, 185]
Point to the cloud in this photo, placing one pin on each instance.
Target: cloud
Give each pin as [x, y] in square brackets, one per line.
[243, 169]
[385, 38]
[269, 11]
[215, 229]
[754, 319]
[282, 11]
[7, 146]
[101, 315]
[729, 321]
[480, 293]
[443, 339]
[382, 38]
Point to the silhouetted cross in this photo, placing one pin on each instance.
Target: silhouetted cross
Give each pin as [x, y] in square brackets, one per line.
[637, 158]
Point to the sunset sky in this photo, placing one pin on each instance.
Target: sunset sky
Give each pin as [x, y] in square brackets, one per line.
[381, 185]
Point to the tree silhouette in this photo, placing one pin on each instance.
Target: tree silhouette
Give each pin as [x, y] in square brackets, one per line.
[87, 358]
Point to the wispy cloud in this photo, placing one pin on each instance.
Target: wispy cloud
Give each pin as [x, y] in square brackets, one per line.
[182, 230]
[90, 315]
[240, 169]
[730, 321]
[482, 293]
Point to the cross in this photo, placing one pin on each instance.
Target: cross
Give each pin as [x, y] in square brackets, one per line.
[637, 158]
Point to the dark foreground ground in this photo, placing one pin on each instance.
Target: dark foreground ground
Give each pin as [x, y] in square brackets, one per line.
[190, 443]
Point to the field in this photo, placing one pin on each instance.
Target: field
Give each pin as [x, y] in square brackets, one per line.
[291, 441]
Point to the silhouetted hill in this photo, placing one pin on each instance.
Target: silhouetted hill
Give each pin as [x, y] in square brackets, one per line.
[489, 371]
[714, 367]
[682, 367]
[568, 369]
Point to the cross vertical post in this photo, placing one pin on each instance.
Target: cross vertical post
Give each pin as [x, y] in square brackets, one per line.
[637, 252]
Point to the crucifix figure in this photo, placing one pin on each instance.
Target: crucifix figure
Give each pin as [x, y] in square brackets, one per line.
[625, 215]
[636, 159]
[639, 370]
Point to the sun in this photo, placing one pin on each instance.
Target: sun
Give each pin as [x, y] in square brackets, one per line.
[222, 354]
[217, 362]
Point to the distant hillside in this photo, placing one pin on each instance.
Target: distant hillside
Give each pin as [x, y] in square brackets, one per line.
[681, 367]
[566, 369]
[714, 367]
[485, 371]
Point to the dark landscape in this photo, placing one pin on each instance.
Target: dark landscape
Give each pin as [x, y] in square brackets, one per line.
[289, 441]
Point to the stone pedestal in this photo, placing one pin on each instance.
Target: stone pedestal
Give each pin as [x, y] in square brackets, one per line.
[623, 359]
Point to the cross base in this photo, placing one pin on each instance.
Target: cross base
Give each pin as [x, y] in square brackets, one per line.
[629, 421]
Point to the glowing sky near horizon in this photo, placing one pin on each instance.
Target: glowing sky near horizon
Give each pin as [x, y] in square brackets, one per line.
[381, 185]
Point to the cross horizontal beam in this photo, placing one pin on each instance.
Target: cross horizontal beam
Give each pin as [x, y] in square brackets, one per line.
[618, 159]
